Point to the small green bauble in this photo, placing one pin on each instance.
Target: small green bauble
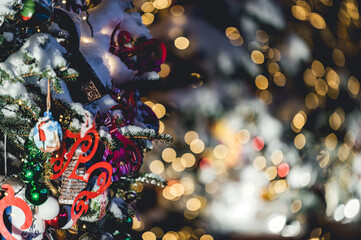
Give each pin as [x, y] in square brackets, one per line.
[36, 193]
[30, 173]
[28, 10]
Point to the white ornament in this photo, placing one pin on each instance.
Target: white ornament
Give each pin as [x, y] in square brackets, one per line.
[35, 232]
[49, 209]
[17, 217]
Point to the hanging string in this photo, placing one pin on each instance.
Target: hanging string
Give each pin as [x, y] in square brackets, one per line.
[5, 156]
[48, 100]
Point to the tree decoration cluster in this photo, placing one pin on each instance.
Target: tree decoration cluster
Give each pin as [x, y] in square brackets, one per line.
[76, 137]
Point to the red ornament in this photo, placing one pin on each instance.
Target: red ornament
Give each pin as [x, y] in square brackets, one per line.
[89, 142]
[11, 200]
[60, 220]
[145, 57]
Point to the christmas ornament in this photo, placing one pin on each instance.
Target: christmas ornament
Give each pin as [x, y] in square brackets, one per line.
[70, 187]
[89, 144]
[47, 133]
[127, 158]
[60, 220]
[98, 206]
[11, 200]
[27, 10]
[30, 172]
[36, 193]
[49, 209]
[144, 56]
[35, 232]
[35, 13]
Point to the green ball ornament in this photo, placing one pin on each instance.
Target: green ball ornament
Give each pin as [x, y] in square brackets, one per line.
[30, 172]
[27, 10]
[36, 193]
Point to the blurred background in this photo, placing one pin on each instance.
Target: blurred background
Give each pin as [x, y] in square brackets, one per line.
[262, 98]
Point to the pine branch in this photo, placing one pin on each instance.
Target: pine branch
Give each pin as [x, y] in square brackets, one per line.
[55, 84]
[152, 179]
[140, 138]
[14, 122]
[26, 107]
[67, 74]
[110, 144]
[11, 131]
[148, 134]
[71, 77]
[28, 59]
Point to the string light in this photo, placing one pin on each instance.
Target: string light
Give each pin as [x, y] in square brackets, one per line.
[181, 43]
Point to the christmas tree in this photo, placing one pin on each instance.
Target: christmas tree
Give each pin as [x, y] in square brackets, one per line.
[73, 127]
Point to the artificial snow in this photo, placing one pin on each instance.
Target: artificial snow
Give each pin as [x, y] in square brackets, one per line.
[10, 110]
[101, 105]
[14, 90]
[8, 36]
[46, 51]
[131, 129]
[6, 8]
